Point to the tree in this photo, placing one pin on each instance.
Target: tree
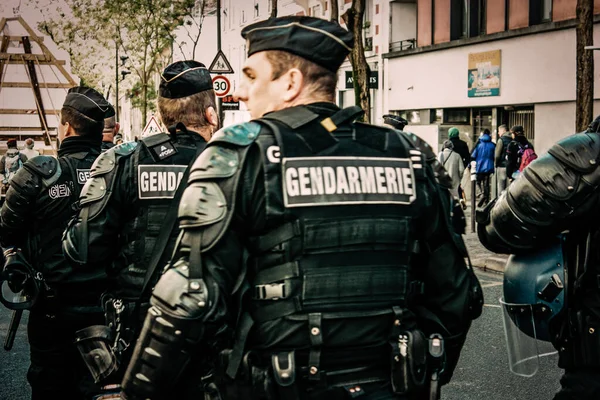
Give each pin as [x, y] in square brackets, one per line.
[192, 27]
[90, 29]
[273, 9]
[585, 65]
[353, 17]
[335, 11]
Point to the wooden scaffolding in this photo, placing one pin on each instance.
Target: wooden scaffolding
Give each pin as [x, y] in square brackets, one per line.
[36, 75]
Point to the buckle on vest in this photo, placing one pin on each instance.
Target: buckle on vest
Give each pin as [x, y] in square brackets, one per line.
[271, 291]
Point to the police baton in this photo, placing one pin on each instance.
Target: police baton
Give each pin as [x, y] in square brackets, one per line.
[436, 356]
[15, 320]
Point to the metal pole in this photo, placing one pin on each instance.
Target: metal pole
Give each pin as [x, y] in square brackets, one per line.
[117, 79]
[219, 100]
[218, 25]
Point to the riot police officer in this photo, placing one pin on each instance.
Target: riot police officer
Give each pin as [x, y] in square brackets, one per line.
[37, 209]
[558, 193]
[124, 226]
[323, 242]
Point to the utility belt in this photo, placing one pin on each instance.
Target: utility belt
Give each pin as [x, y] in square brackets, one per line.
[105, 348]
[414, 368]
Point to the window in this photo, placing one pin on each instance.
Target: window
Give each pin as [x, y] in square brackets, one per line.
[412, 116]
[540, 11]
[467, 18]
[456, 116]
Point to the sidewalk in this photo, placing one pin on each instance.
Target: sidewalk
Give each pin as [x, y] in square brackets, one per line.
[480, 256]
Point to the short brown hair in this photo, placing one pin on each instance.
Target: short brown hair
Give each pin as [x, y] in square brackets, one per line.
[321, 80]
[82, 124]
[188, 110]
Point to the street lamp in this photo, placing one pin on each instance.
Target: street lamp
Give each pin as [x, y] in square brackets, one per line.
[123, 74]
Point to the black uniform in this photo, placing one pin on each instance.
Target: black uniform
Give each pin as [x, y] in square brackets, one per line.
[559, 192]
[326, 244]
[37, 209]
[123, 211]
[329, 270]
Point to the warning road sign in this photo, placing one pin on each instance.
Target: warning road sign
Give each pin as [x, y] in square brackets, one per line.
[152, 127]
[221, 85]
[220, 65]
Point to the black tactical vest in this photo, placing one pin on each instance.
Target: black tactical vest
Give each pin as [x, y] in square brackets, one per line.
[151, 176]
[335, 267]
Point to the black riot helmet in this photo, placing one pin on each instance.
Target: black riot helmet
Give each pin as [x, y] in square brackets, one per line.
[534, 296]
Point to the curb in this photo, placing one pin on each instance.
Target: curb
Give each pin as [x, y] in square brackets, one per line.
[492, 263]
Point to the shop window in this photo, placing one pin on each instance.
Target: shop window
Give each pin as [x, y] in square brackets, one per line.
[457, 116]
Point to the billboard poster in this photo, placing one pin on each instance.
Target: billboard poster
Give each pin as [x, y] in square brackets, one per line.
[484, 74]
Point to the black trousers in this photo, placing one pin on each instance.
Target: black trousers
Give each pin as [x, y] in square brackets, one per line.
[580, 384]
[483, 185]
[57, 370]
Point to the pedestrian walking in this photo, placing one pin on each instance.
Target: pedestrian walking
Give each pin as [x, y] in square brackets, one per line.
[311, 261]
[10, 163]
[519, 154]
[502, 143]
[483, 155]
[452, 163]
[459, 145]
[29, 150]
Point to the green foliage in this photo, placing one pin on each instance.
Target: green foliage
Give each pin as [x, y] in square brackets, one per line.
[136, 96]
[90, 30]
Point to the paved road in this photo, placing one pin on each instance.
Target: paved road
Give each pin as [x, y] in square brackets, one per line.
[481, 374]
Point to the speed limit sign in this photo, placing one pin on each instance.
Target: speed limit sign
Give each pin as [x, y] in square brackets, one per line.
[221, 85]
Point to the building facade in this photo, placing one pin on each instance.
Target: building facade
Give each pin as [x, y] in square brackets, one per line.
[476, 64]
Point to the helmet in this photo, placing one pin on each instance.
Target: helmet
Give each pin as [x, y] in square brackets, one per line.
[534, 296]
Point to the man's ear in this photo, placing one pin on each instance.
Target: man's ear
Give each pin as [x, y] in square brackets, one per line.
[293, 81]
[211, 116]
[69, 130]
[117, 127]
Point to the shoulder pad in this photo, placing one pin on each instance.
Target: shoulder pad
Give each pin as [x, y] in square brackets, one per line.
[202, 203]
[579, 151]
[44, 166]
[372, 135]
[106, 161]
[154, 140]
[125, 149]
[94, 189]
[239, 135]
[215, 162]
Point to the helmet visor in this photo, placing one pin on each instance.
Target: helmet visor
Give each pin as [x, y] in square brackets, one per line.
[522, 341]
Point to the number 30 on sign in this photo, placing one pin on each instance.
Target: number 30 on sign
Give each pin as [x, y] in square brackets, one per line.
[221, 85]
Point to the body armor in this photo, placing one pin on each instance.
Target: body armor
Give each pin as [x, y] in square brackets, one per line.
[143, 177]
[325, 292]
[53, 185]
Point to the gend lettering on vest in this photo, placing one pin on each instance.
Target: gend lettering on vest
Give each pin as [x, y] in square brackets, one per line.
[347, 180]
[159, 181]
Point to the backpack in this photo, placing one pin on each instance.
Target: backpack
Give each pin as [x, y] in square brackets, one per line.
[12, 163]
[527, 156]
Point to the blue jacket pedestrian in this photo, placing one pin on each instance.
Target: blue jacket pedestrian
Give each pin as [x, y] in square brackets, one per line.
[483, 154]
